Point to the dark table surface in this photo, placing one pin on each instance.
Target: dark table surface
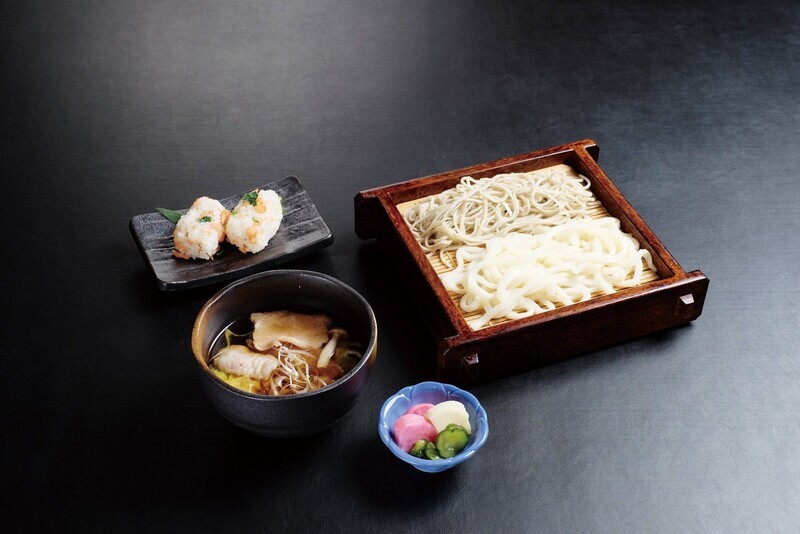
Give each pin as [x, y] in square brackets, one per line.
[112, 108]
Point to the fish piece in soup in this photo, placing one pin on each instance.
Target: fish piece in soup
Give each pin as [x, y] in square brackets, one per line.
[272, 329]
[241, 361]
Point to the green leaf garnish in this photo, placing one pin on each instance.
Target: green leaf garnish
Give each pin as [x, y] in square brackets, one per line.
[251, 197]
[171, 216]
[207, 218]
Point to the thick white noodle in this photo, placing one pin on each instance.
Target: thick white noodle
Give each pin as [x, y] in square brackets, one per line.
[518, 275]
[476, 211]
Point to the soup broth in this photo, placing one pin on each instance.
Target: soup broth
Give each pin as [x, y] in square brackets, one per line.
[283, 353]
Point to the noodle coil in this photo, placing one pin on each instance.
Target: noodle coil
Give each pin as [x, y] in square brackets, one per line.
[518, 275]
[476, 211]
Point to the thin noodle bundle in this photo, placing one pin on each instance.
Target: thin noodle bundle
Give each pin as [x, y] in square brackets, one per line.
[518, 275]
[476, 211]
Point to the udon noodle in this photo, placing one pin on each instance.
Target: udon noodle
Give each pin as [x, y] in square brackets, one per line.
[518, 275]
[476, 211]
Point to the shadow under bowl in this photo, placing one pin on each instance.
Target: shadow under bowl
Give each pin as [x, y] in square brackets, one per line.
[299, 291]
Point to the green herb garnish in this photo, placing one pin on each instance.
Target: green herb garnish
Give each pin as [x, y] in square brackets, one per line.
[251, 197]
[171, 216]
[207, 218]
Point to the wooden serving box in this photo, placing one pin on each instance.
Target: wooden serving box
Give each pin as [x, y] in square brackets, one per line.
[665, 298]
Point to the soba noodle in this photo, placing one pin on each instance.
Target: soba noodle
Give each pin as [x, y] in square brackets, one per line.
[476, 211]
[518, 275]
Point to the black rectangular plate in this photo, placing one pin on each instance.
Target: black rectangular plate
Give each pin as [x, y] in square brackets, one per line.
[302, 231]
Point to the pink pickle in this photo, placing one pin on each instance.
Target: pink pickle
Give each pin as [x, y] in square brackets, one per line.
[410, 428]
[419, 409]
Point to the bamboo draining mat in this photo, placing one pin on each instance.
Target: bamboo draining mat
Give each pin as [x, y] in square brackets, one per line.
[596, 210]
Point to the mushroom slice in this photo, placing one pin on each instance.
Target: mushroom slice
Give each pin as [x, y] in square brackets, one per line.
[328, 350]
[272, 329]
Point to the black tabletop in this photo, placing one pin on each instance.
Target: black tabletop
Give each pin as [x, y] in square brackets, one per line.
[113, 108]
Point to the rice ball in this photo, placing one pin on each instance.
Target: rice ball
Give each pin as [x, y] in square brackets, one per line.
[255, 220]
[200, 230]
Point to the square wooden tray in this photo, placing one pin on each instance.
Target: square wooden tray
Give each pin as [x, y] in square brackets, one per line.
[666, 298]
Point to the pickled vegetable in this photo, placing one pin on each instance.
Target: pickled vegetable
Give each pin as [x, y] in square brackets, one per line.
[441, 433]
[448, 412]
[431, 453]
[419, 409]
[452, 440]
[410, 428]
[419, 447]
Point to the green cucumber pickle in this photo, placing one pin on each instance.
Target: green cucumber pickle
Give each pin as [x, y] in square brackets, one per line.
[431, 453]
[452, 440]
[418, 449]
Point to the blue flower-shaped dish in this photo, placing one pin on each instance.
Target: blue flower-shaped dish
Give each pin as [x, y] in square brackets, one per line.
[433, 393]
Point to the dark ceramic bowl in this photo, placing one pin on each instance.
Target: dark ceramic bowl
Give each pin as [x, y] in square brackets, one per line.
[301, 291]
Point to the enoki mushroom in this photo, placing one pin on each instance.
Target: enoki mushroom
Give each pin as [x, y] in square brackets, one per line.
[293, 374]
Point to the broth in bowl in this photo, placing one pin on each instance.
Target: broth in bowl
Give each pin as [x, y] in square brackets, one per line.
[283, 353]
[301, 292]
